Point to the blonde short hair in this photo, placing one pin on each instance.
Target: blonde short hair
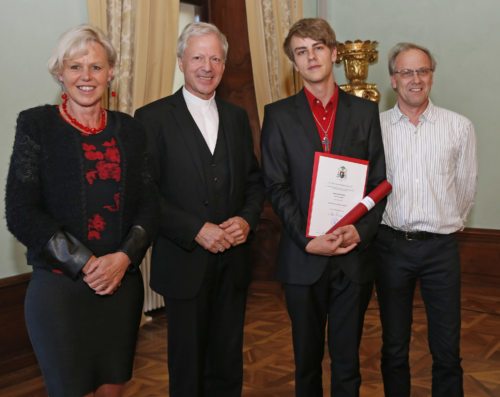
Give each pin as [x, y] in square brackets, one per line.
[74, 42]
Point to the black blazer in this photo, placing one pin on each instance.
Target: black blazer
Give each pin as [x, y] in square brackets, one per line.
[45, 200]
[178, 262]
[289, 142]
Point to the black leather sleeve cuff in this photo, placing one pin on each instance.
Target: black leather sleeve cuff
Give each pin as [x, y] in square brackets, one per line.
[67, 253]
[135, 245]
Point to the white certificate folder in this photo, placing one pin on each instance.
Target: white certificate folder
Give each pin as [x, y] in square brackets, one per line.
[338, 185]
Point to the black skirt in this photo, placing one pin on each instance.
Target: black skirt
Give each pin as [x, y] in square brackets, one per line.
[82, 340]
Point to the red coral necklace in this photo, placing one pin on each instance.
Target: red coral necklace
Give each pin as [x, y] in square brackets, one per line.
[85, 130]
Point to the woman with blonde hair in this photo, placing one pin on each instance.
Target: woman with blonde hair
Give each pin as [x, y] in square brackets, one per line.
[80, 198]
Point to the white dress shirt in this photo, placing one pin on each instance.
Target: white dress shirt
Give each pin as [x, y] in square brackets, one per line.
[205, 115]
[432, 168]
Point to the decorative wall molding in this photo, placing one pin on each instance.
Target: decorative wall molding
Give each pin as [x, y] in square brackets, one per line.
[15, 350]
[480, 251]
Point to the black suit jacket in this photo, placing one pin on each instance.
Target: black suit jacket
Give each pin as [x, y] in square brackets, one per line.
[289, 142]
[178, 262]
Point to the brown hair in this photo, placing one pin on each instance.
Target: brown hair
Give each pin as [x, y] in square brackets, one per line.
[315, 28]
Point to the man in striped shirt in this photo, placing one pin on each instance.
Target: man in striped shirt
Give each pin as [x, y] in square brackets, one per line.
[431, 162]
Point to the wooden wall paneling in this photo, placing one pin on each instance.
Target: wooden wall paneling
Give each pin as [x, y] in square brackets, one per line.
[15, 347]
[237, 87]
[265, 245]
[237, 84]
[480, 251]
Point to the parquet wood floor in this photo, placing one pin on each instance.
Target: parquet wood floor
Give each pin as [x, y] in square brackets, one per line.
[268, 352]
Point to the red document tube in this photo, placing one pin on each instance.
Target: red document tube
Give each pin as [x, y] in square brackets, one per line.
[365, 205]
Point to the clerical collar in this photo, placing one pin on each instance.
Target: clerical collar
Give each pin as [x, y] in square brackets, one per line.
[197, 101]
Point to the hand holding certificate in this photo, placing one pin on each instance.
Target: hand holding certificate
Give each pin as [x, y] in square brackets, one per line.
[338, 185]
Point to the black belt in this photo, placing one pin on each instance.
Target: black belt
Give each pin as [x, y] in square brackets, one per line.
[416, 235]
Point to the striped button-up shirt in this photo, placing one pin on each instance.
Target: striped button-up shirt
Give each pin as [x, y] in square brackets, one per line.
[432, 167]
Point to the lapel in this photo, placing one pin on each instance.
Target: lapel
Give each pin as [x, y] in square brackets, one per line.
[188, 130]
[342, 122]
[226, 124]
[306, 120]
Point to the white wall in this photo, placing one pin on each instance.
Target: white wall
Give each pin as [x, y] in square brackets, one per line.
[464, 36]
[310, 8]
[28, 32]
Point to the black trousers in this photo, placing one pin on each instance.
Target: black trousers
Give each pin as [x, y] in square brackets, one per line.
[205, 338]
[340, 304]
[435, 263]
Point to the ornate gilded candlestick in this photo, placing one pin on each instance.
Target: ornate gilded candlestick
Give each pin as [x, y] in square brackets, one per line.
[357, 56]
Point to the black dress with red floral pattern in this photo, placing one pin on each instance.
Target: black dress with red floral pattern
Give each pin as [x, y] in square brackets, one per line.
[102, 170]
[95, 188]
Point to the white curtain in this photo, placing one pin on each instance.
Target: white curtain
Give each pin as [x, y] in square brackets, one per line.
[268, 24]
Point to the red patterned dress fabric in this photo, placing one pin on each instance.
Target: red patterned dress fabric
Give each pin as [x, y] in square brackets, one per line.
[102, 169]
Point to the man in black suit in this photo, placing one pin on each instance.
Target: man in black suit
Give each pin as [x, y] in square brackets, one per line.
[327, 279]
[211, 196]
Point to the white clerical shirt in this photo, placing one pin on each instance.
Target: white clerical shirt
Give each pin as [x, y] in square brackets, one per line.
[205, 115]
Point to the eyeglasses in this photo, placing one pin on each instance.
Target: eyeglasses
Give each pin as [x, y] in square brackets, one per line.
[409, 73]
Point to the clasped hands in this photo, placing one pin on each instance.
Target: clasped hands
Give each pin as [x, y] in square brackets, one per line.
[104, 274]
[339, 242]
[218, 238]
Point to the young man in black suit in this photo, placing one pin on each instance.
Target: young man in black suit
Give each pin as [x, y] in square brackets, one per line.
[327, 279]
[211, 196]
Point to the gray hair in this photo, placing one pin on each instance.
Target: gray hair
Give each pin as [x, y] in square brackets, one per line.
[200, 29]
[74, 42]
[402, 47]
